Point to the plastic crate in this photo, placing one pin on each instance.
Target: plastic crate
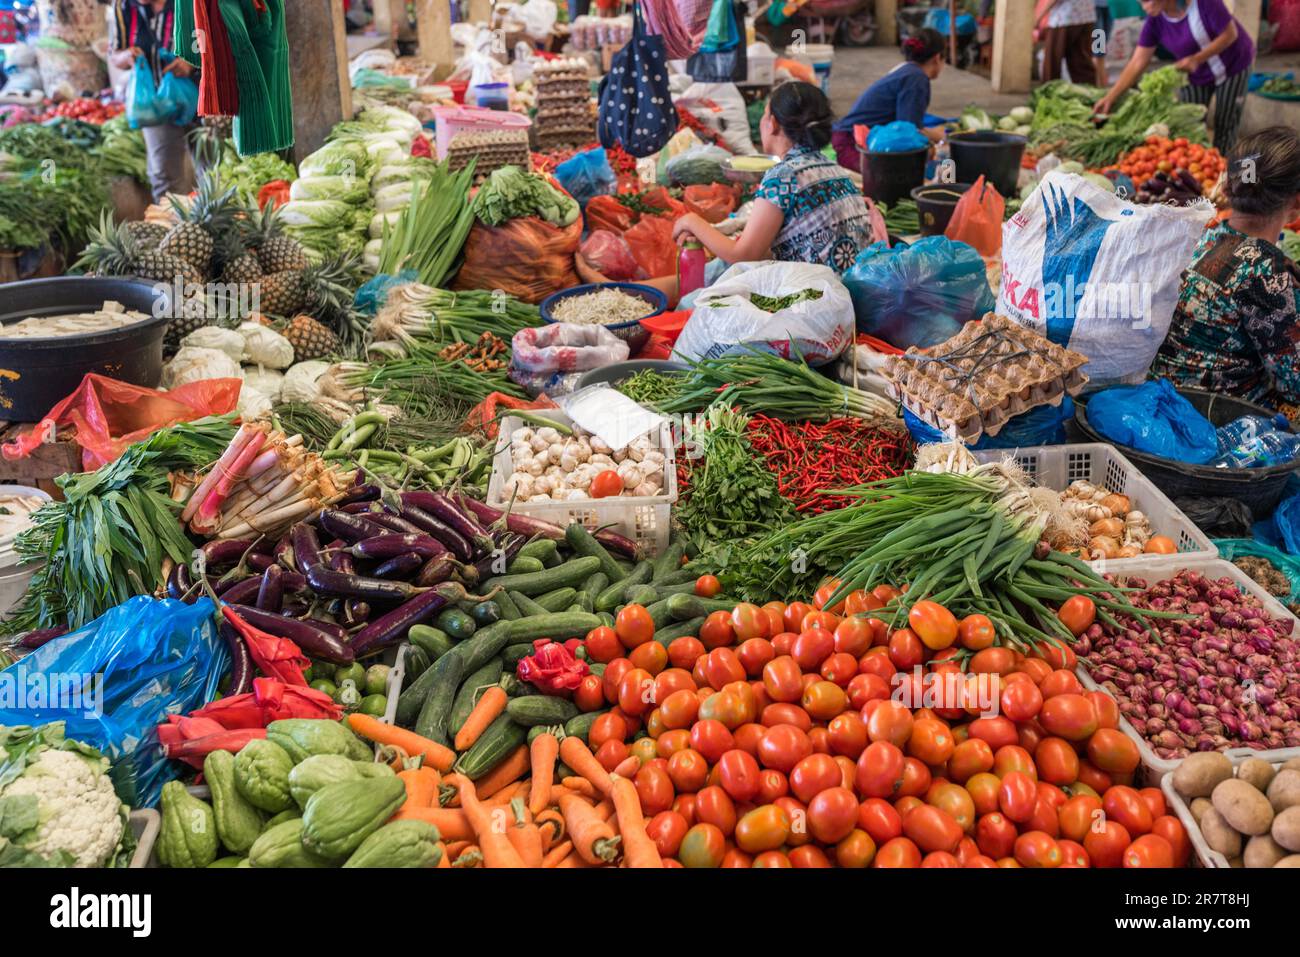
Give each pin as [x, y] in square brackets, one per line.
[645, 519]
[145, 823]
[1155, 768]
[450, 120]
[1056, 466]
[1205, 855]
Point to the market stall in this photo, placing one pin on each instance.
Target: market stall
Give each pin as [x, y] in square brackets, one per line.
[421, 497]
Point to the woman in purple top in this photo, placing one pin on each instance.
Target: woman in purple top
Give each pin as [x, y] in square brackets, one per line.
[1212, 49]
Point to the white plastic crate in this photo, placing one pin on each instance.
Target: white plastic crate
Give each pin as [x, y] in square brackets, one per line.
[645, 519]
[1159, 568]
[145, 823]
[1056, 466]
[1205, 855]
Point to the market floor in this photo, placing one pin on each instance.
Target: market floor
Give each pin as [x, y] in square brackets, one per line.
[856, 68]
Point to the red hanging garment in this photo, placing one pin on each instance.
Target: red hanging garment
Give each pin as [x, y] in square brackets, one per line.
[218, 91]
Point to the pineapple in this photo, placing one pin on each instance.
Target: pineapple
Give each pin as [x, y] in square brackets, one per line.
[209, 215]
[309, 338]
[114, 251]
[146, 234]
[276, 250]
[239, 262]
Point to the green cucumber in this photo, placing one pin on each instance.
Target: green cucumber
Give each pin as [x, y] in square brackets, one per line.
[471, 689]
[679, 577]
[606, 619]
[540, 729]
[680, 629]
[485, 612]
[541, 709]
[612, 596]
[582, 603]
[514, 654]
[643, 595]
[580, 726]
[456, 623]
[594, 585]
[680, 588]
[597, 668]
[484, 646]
[572, 573]
[509, 610]
[513, 687]
[558, 626]
[582, 542]
[660, 613]
[434, 641]
[669, 562]
[434, 712]
[524, 564]
[417, 662]
[527, 607]
[545, 550]
[493, 746]
[557, 600]
[414, 694]
[683, 607]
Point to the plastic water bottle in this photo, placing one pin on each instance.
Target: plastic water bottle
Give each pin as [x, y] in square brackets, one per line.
[690, 268]
[1265, 449]
[1240, 431]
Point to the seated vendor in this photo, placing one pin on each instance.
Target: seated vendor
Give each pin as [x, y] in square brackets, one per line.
[1236, 329]
[901, 94]
[805, 210]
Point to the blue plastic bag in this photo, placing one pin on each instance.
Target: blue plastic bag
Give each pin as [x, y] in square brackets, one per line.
[144, 107]
[1154, 418]
[373, 293]
[115, 680]
[1044, 425]
[896, 137]
[182, 96]
[587, 174]
[918, 295]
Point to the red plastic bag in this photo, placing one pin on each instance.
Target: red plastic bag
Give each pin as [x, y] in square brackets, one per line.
[607, 213]
[104, 415]
[666, 326]
[977, 220]
[608, 253]
[484, 415]
[527, 258]
[714, 202]
[651, 242]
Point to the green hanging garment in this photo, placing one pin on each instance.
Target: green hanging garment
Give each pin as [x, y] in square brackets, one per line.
[261, 53]
[183, 33]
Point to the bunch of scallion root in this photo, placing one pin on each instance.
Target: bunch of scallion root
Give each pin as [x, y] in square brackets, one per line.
[966, 541]
[263, 482]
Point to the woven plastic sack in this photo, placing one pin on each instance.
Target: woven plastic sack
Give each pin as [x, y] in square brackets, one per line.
[977, 220]
[527, 258]
[609, 254]
[1154, 418]
[651, 242]
[486, 415]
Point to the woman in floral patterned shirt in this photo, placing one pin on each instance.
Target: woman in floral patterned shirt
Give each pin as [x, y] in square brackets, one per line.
[1236, 329]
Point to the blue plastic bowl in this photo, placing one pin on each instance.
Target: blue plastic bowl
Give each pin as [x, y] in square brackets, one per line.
[633, 333]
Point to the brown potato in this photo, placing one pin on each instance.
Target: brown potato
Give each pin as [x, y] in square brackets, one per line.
[1200, 773]
[1291, 860]
[1219, 835]
[1292, 765]
[1242, 807]
[1198, 807]
[1286, 829]
[1235, 862]
[1256, 772]
[1262, 851]
[1284, 791]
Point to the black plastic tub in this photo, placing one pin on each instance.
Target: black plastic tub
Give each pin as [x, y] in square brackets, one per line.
[935, 205]
[35, 374]
[993, 154]
[889, 177]
[1260, 489]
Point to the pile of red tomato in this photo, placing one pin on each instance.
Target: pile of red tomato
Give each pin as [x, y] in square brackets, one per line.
[86, 109]
[778, 737]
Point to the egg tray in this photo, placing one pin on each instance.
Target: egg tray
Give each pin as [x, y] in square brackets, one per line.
[988, 373]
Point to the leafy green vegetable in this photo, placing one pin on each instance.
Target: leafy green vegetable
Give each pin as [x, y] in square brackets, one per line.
[510, 193]
[430, 232]
[248, 174]
[122, 151]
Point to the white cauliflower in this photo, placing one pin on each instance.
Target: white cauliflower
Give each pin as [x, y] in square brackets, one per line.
[75, 810]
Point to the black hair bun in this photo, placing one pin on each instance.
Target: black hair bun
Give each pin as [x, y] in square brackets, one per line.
[803, 112]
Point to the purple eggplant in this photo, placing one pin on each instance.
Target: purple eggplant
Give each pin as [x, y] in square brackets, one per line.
[459, 545]
[390, 546]
[313, 640]
[442, 568]
[391, 628]
[243, 591]
[270, 594]
[260, 563]
[360, 493]
[341, 561]
[179, 581]
[228, 552]
[34, 639]
[241, 661]
[445, 510]
[356, 612]
[390, 519]
[400, 566]
[350, 528]
[504, 553]
[283, 552]
[619, 543]
[522, 524]
[327, 582]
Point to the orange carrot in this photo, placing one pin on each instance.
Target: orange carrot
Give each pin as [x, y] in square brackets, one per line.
[472, 856]
[542, 754]
[605, 810]
[509, 793]
[638, 849]
[507, 772]
[372, 729]
[551, 824]
[444, 859]
[558, 853]
[524, 835]
[495, 845]
[575, 753]
[452, 824]
[454, 848]
[573, 860]
[595, 840]
[577, 785]
[485, 711]
[421, 786]
[628, 767]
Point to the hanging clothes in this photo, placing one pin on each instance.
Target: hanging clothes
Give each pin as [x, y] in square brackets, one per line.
[260, 49]
[218, 89]
[663, 19]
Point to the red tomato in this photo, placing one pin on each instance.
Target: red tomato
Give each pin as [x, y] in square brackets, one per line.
[1077, 614]
[812, 647]
[608, 727]
[772, 784]
[823, 700]
[1077, 815]
[889, 721]
[1155, 800]
[679, 709]
[932, 829]
[814, 774]
[1012, 757]
[933, 624]
[636, 692]
[1113, 751]
[590, 694]
[880, 770]
[634, 626]
[1071, 716]
[1021, 700]
[1105, 843]
[682, 652]
[832, 814]
[840, 668]
[688, 770]
[762, 829]
[1017, 796]
[995, 835]
[739, 773]
[712, 739]
[666, 829]
[703, 845]
[670, 680]
[976, 632]
[853, 636]
[848, 734]
[1094, 777]
[1125, 805]
[613, 676]
[783, 679]
[983, 789]
[955, 801]
[1073, 854]
[931, 741]
[809, 856]
[876, 662]
[1149, 850]
[1057, 761]
[771, 859]
[1107, 709]
[706, 586]
[997, 731]
[1172, 830]
[775, 714]
[754, 655]
[783, 746]
[606, 484]
[749, 621]
[905, 649]
[794, 614]
[880, 820]
[969, 758]
[898, 852]
[916, 778]
[866, 687]
[651, 657]
[991, 661]
[713, 805]
[611, 754]
[1036, 849]
[655, 788]
[602, 644]
[717, 630]
[721, 667]
[1060, 682]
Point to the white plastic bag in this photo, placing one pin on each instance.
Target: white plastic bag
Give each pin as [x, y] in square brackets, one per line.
[192, 363]
[264, 346]
[214, 337]
[720, 107]
[538, 17]
[1096, 274]
[565, 347]
[725, 319]
[264, 380]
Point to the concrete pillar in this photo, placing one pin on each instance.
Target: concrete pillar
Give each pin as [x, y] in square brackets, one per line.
[433, 28]
[1013, 47]
[886, 24]
[322, 90]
